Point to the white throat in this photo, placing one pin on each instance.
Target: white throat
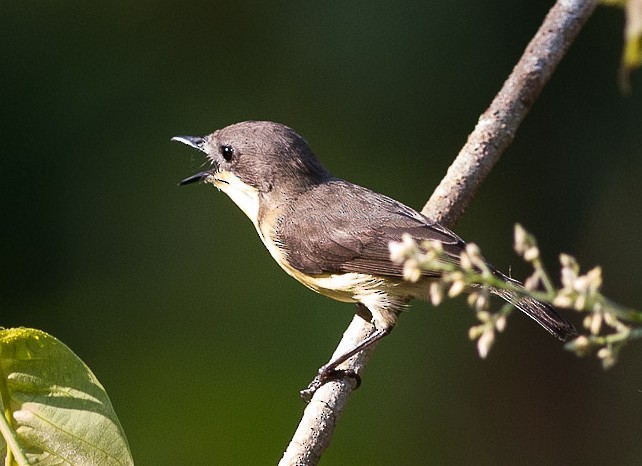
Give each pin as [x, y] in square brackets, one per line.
[243, 195]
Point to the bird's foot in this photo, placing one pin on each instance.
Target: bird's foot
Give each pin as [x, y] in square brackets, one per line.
[327, 374]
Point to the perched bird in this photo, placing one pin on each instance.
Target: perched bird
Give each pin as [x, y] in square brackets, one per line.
[330, 234]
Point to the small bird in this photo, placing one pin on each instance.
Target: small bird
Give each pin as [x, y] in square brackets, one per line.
[329, 234]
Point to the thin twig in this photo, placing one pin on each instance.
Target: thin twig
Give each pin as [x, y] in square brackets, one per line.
[492, 135]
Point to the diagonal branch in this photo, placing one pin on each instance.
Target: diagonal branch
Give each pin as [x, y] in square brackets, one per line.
[497, 126]
[492, 135]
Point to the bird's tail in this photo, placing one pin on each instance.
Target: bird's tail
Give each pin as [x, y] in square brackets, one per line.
[542, 313]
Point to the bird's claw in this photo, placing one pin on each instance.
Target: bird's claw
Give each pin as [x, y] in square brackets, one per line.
[326, 375]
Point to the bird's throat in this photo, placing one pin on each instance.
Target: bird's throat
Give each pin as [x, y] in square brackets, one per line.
[244, 196]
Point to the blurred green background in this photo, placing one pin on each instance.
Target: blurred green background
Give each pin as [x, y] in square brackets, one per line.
[199, 338]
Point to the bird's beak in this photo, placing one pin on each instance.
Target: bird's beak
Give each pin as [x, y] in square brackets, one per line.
[195, 178]
[195, 142]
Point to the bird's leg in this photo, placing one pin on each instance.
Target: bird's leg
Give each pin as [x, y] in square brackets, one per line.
[329, 371]
[364, 312]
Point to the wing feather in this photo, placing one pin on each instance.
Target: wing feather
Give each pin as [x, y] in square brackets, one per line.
[351, 230]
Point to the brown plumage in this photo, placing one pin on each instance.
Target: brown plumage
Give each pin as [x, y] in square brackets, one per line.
[328, 233]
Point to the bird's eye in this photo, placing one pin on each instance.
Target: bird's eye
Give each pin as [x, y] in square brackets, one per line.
[227, 152]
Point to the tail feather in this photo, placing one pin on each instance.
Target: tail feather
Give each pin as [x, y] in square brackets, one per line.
[542, 313]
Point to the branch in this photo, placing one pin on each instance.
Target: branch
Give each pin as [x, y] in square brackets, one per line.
[322, 414]
[492, 135]
[497, 126]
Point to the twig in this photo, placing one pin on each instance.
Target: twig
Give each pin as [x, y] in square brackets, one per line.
[492, 135]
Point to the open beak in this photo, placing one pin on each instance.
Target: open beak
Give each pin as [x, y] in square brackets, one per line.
[195, 142]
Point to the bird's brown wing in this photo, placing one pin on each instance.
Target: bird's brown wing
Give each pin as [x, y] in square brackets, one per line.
[342, 227]
[351, 230]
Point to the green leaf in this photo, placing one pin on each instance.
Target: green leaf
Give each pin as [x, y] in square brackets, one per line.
[632, 54]
[57, 412]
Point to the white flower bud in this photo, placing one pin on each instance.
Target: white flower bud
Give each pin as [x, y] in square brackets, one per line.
[485, 342]
[580, 346]
[531, 283]
[596, 324]
[476, 331]
[531, 254]
[436, 293]
[500, 323]
[594, 277]
[482, 301]
[397, 251]
[465, 262]
[520, 236]
[580, 302]
[456, 288]
[473, 251]
[604, 353]
[568, 261]
[562, 300]
[411, 271]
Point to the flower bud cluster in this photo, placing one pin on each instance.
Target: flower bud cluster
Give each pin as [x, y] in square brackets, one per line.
[525, 244]
[579, 291]
[485, 332]
[606, 333]
[430, 256]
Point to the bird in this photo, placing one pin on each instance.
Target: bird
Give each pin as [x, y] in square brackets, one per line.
[330, 234]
